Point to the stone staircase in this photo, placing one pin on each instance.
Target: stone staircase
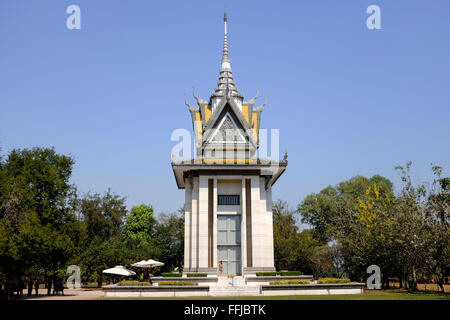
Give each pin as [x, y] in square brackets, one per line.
[226, 287]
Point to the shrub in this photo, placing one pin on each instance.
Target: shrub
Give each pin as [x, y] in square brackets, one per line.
[177, 283]
[132, 283]
[190, 275]
[170, 274]
[333, 280]
[86, 285]
[266, 274]
[290, 273]
[282, 274]
[290, 282]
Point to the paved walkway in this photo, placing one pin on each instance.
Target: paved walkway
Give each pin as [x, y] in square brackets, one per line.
[69, 294]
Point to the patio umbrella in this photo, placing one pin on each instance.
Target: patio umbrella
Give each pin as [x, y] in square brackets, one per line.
[148, 264]
[119, 270]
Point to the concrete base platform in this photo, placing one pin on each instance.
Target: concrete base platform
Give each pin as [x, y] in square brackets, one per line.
[313, 289]
[224, 287]
[114, 291]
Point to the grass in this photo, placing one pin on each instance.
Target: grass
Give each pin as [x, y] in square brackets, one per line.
[396, 294]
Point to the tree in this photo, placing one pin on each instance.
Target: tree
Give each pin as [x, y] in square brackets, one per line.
[38, 227]
[308, 244]
[322, 210]
[140, 225]
[437, 208]
[284, 235]
[169, 239]
[293, 250]
[404, 234]
[322, 262]
[103, 216]
[38, 180]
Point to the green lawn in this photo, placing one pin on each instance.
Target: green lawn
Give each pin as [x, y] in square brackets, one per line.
[396, 294]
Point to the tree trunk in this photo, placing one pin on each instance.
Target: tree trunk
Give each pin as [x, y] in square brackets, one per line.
[440, 281]
[48, 283]
[414, 277]
[100, 280]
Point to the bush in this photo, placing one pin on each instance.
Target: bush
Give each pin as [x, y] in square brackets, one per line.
[278, 273]
[190, 275]
[333, 280]
[132, 283]
[170, 274]
[290, 273]
[177, 283]
[290, 282]
[266, 274]
[86, 285]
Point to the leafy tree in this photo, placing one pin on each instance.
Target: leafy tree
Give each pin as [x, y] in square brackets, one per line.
[421, 238]
[397, 233]
[169, 239]
[38, 180]
[308, 244]
[322, 210]
[293, 250]
[322, 262]
[140, 224]
[103, 216]
[437, 208]
[37, 223]
[285, 235]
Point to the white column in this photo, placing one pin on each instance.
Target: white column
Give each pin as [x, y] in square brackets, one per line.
[256, 222]
[187, 225]
[203, 222]
[215, 223]
[243, 226]
[269, 214]
[194, 224]
[263, 226]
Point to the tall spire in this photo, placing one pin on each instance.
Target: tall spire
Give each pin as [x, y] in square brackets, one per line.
[225, 59]
[226, 80]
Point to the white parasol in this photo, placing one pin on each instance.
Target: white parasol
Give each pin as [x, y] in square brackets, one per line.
[120, 270]
[150, 263]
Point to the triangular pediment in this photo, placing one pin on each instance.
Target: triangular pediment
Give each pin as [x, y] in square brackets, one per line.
[228, 116]
[228, 132]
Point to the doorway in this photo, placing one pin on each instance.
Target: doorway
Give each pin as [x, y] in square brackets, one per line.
[229, 244]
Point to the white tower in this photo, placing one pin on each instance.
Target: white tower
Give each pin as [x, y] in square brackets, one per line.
[228, 208]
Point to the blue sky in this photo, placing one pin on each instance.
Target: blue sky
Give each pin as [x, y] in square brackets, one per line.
[347, 100]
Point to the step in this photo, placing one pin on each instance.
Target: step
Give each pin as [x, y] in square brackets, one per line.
[226, 282]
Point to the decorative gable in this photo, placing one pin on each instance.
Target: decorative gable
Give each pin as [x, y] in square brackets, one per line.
[227, 131]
